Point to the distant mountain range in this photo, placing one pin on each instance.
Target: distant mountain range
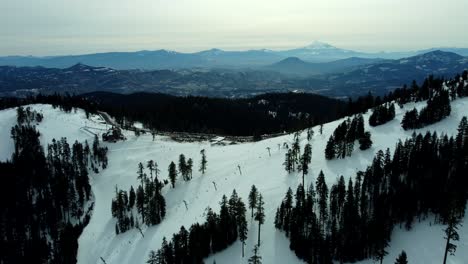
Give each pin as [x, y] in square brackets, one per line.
[214, 58]
[390, 74]
[342, 78]
[297, 67]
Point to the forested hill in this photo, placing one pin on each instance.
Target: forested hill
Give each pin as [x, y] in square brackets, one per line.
[265, 114]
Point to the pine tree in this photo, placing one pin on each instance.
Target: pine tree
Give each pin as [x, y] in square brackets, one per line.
[203, 161]
[380, 254]
[288, 164]
[153, 258]
[365, 142]
[140, 201]
[410, 120]
[141, 174]
[242, 226]
[305, 160]
[189, 167]
[255, 259]
[402, 258]
[150, 166]
[253, 196]
[183, 167]
[310, 133]
[451, 234]
[296, 148]
[132, 196]
[330, 149]
[156, 170]
[322, 192]
[260, 215]
[172, 173]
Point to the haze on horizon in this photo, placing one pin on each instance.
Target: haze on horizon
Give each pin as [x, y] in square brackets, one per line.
[61, 27]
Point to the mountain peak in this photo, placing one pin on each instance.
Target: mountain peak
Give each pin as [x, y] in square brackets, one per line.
[291, 60]
[439, 55]
[79, 66]
[319, 45]
[213, 51]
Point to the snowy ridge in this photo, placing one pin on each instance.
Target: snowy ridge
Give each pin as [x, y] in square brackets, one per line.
[424, 244]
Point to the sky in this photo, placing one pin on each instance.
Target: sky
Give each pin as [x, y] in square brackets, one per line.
[61, 27]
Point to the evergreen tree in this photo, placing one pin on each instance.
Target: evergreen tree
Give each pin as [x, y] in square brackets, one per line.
[253, 197]
[242, 223]
[322, 192]
[183, 167]
[296, 148]
[380, 254]
[410, 120]
[305, 160]
[189, 167]
[260, 215]
[132, 197]
[255, 259]
[402, 258]
[150, 166]
[330, 148]
[172, 173]
[140, 201]
[203, 162]
[156, 170]
[153, 258]
[310, 134]
[141, 173]
[451, 234]
[288, 162]
[365, 142]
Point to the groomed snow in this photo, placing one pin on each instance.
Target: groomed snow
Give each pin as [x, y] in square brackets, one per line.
[424, 243]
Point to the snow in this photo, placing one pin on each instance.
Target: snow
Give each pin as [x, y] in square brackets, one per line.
[138, 125]
[318, 45]
[424, 243]
[56, 124]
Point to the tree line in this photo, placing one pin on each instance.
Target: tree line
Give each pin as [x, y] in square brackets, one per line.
[437, 108]
[146, 205]
[341, 143]
[200, 240]
[44, 197]
[293, 158]
[264, 114]
[28, 115]
[382, 114]
[425, 176]
[217, 233]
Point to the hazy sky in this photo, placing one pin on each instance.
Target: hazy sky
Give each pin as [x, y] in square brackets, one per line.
[52, 27]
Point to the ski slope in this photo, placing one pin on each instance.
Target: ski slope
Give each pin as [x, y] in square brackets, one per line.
[424, 243]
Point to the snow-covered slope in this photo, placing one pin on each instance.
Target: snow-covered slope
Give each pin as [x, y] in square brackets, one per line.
[424, 244]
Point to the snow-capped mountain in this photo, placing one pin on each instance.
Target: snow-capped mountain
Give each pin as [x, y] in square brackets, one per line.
[321, 52]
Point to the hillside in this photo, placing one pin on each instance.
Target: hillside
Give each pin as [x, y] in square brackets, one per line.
[382, 77]
[424, 244]
[297, 67]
